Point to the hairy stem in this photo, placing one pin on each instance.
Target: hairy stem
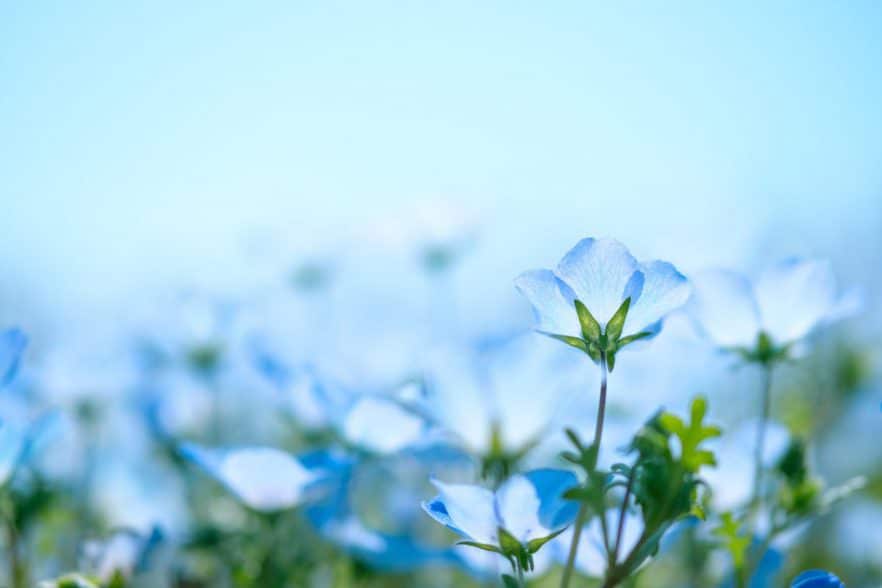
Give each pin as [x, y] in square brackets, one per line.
[583, 508]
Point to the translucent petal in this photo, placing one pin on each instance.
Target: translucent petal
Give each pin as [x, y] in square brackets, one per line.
[724, 309]
[519, 509]
[598, 271]
[470, 509]
[382, 425]
[664, 290]
[555, 512]
[794, 297]
[552, 303]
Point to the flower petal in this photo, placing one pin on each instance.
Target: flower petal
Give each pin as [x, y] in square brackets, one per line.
[519, 509]
[12, 344]
[552, 303]
[263, 478]
[555, 512]
[794, 297]
[817, 579]
[598, 271]
[471, 511]
[381, 425]
[664, 290]
[724, 309]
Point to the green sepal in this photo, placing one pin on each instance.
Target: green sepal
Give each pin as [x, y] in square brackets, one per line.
[509, 581]
[579, 344]
[508, 542]
[617, 323]
[632, 338]
[484, 546]
[611, 360]
[536, 544]
[590, 327]
[593, 351]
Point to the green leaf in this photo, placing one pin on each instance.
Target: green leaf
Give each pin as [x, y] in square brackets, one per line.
[484, 546]
[590, 326]
[536, 544]
[611, 360]
[573, 342]
[692, 435]
[734, 539]
[617, 322]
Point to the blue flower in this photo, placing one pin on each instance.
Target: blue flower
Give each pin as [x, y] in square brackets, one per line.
[17, 444]
[605, 279]
[787, 302]
[12, 345]
[817, 579]
[263, 478]
[527, 507]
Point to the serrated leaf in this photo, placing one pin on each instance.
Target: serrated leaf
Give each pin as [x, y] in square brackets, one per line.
[590, 326]
[617, 323]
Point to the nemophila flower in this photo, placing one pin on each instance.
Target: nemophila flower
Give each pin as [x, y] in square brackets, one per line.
[817, 579]
[600, 299]
[516, 520]
[485, 396]
[12, 345]
[263, 478]
[382, 425]
[19, 444]
[764, 319]
[119, 556]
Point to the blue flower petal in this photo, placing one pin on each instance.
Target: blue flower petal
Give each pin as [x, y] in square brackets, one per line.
[664, 290]
[817, 579]
[12, 345]
[723, 307]
[600, 272]
[554, 511]
[794, 297]
[552, 303]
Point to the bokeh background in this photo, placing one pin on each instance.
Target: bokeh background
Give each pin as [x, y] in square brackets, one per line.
[346, 183]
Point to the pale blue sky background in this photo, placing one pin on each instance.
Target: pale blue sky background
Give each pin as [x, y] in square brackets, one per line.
[142, 143]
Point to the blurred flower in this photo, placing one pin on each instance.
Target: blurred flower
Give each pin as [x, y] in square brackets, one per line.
[120, 555]
[527, 507]
[817, 579]
[600, 298]
[12, 345]
[20, 444]
[263, 478]
[381, 425]
[787, 302]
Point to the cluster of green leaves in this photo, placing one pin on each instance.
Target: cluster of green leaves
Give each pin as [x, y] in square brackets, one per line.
[663, 483]
[602, 344]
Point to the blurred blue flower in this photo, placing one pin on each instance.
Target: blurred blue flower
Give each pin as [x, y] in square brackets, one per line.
[788, 301]
[602, 274]
[591, 559]
[19, 444]
[382, 425]
[528, 506]
[263, 478]
[12, 345]
[817, 579]
[124, 553]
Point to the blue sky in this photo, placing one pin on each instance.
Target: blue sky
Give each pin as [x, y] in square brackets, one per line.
[143, 142]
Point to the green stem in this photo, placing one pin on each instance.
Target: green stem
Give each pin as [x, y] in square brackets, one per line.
[622, 513]
[765, 411]
[583, 508]
[17, 569]
[521, 581]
